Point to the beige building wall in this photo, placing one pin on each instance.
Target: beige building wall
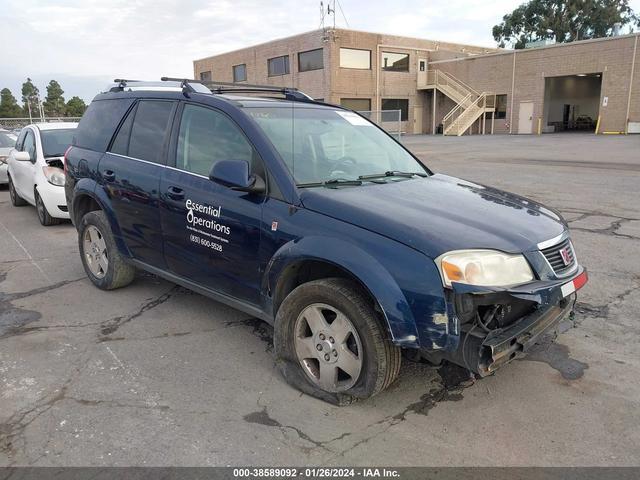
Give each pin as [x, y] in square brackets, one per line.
[518, 74]
[314, 83]
[526, 70]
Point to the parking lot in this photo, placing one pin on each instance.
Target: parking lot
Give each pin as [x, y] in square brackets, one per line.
[156, 375]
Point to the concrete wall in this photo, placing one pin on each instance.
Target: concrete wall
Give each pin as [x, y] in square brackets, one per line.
[333, 82]
[520, 74]
[314, 83]
[529, 68]
[354, 83]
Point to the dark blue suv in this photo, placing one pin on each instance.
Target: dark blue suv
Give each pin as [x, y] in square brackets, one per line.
[308, 216]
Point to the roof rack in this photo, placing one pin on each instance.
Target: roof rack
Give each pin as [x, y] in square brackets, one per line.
[178, 85]
[188, 86]
[289, 93]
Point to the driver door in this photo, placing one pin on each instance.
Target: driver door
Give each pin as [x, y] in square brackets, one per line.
[23, 172]
[211, 233]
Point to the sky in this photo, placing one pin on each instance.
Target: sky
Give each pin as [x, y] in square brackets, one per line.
[85, 44]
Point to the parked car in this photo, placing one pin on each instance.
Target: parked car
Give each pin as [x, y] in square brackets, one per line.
[7, 142]
[314, 219]
[35, 170]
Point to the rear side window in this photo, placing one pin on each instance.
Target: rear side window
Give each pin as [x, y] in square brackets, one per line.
[7, 141]
[99, 122]
[149, 129]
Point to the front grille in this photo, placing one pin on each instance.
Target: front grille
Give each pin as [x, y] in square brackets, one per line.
[63, 208]
[555, 259]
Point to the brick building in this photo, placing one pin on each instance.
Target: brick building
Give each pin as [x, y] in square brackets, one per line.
[448, 87]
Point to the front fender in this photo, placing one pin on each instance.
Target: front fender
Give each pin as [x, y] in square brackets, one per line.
[88, 187]
[371, 274]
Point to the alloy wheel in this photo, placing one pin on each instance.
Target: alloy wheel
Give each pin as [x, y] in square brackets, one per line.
[328, 347]
[95, 251]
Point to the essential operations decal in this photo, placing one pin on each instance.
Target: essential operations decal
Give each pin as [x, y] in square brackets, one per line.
[204, 226]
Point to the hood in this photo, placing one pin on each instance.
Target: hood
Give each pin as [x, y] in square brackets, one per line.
[439, 214]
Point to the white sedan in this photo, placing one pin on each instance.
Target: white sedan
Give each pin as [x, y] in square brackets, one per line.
[36, 174]
[7, 142]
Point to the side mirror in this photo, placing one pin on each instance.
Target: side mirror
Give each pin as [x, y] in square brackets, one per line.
[235, 175]
[22, 156]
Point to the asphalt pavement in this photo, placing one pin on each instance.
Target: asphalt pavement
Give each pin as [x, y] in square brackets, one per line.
[153, 374]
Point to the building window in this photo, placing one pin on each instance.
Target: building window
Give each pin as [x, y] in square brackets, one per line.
[205, 76]
[357, 104]
[395, 62]
[501, 106]
[240, 73]
[401, 104]
[278, 66]
[311, 60]
[352, 58]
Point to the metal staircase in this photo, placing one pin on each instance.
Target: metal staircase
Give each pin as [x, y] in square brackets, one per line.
[470, 104]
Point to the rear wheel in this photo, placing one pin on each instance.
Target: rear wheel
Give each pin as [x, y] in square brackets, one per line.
[43, 214]
[16, 200]
[331, 343]
[102, 262]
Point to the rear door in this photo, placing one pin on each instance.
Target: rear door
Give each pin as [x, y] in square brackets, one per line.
[130, 173]
[211, 233]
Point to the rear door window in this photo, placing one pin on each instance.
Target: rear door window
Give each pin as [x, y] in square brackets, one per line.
[121, 142]
[99, 123]
[149, 129]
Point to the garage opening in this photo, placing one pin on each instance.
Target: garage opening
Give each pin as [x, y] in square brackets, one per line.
[572, 102]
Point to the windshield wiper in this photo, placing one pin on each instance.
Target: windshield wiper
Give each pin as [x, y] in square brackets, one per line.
[393, 173]
[333, 183]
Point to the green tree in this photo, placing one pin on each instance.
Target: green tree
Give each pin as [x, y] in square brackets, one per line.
[30, 95]
[75, 107]
[54, 101]
[9, 105]
[563, 21]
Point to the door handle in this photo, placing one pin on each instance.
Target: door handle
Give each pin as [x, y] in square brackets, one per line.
[109, 175]
[175, 193]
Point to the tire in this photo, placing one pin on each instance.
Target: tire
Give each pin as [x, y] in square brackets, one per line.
[46, 220]
[296, 342]
[16, 200]
[104, 265]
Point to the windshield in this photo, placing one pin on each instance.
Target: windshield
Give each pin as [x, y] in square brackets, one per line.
[7, 140]
[325, 145]
[56, 142]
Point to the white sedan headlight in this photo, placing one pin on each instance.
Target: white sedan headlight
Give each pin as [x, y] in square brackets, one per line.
[55, 176]
[487, 268]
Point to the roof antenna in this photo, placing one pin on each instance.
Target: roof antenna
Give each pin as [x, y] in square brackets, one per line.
[332, 11]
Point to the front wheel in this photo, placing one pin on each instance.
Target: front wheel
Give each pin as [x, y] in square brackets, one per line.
[332, 344]
[45, 218]
[102, 262]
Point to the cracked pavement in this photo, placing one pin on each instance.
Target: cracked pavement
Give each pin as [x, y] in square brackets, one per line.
[153, 374]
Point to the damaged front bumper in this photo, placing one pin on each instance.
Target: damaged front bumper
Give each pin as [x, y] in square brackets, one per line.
[535, 308]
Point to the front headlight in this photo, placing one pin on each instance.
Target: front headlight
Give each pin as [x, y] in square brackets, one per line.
[487, 268]
[55, 176]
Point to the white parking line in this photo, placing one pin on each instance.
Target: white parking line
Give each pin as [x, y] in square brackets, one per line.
[31, 259]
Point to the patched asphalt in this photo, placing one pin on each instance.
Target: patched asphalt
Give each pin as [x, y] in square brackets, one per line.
[156, 375]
